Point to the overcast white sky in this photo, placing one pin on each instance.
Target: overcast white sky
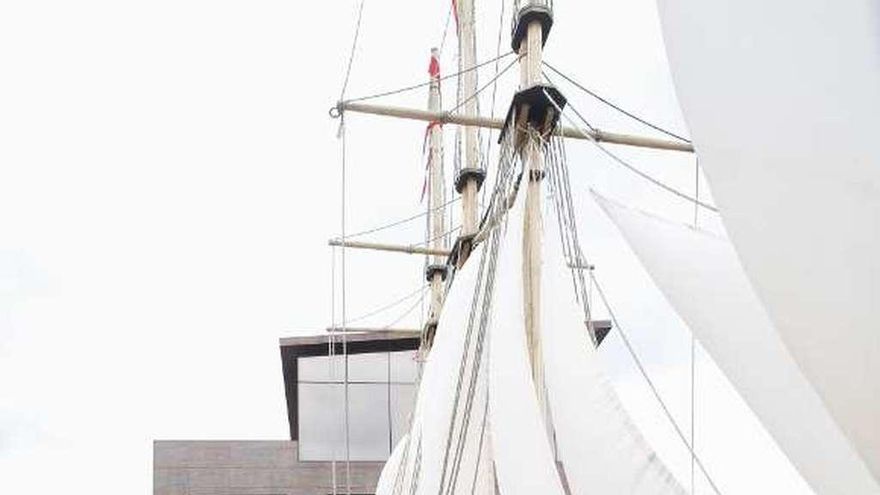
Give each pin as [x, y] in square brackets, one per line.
[169, 178]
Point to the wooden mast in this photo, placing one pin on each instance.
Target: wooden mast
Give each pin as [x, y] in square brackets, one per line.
[530, 33]
[469, 179]
[436, 270]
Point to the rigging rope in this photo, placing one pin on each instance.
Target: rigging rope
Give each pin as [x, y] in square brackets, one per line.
[403, 315]
[402, 221]
[342, 135]
[432, 239]
[388, 306]
[446, 26]
[560, 186]
[621, 161]
[560, 183]
[354, 42]
[475, 333]
[483, 87]
[331, 352]
[644, 372]
[488, 155]
[424, 84]
[616, 107]
[344, 335]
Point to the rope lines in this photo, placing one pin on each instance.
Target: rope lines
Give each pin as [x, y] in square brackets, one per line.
[621, 161]
[330, 338]
[561, 193]
[441, 236]
[616, 107]
[424, 84]
[489, 140]
[403, 315]
[347, 421]
[560, 187]
[420, 290]
[651, 385]
[472, 360]
[401, 221]
[331, 352]
[483, 87]
[354, 42]
[449, 15]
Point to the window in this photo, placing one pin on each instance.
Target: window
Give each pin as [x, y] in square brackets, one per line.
[381, 395]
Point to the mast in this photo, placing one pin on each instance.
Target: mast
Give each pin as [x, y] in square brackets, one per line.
[435, 272]
[470, 177]
[532, 26]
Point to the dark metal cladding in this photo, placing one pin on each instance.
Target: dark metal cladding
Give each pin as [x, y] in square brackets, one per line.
[430, 270]
[465, 174]
[526, 15]
[542, 114]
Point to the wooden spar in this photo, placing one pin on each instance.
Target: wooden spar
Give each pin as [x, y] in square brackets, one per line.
[389, 247]
[437, 269]
[495, 123]
[468, 89]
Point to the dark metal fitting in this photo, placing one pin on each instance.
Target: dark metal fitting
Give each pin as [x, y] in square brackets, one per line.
[466, 174]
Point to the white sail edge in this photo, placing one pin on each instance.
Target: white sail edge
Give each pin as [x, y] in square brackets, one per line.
[524, 463]
[388, 478]
[701, 277]
[600, 448]
[782, 100]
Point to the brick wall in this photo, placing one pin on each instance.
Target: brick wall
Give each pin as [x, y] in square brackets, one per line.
[236, 467]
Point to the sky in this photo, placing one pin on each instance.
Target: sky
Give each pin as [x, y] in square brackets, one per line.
[169, 178]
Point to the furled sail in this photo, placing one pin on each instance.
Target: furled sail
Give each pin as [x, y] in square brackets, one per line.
[478, 426]
[436, 404]
[702, 278]
[598, 444]
[782, 100]
[524, 460]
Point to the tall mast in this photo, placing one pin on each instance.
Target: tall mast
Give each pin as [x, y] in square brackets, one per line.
[532, 25]
[470, 177]
[436, 270]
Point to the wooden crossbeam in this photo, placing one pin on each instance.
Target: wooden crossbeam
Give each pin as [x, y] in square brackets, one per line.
[494, 123]
[389, 247]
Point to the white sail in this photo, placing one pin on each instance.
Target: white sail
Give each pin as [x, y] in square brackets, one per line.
[391, 470]
[599, 447]
[782, 99]
[524, 462]
[703, 280]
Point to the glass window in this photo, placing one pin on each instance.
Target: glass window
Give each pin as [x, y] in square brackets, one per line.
[403, 366]
[321, 426]
[317, 369]
[381, 397]
[369, 425]
[403, 401]
[370, 367]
